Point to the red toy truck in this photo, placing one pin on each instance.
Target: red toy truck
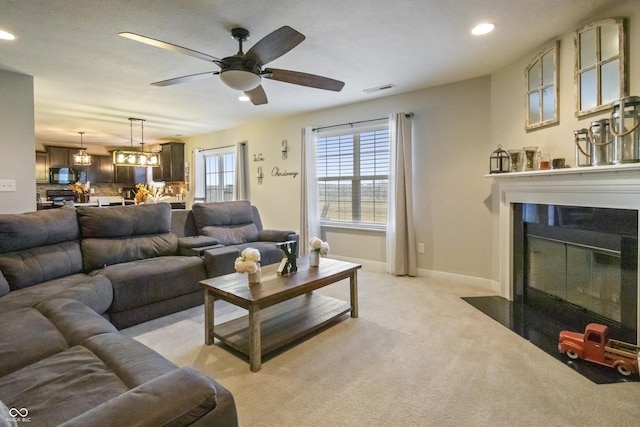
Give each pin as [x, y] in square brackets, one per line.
[595, 346]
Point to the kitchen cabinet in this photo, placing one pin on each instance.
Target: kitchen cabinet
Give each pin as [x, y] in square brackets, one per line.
[171, 163]
[42, 167]
[129, 175]
[61, 157]
[101, 169]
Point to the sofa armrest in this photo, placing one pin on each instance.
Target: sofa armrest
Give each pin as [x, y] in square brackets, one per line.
[276, 235]
[196, 245]
[192, 242]
[179, 397]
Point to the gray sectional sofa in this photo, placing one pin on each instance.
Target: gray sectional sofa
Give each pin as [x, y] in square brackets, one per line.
[71, 277]
[219, 232]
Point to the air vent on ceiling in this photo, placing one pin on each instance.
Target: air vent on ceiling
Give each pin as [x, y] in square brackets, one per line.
[379, 88]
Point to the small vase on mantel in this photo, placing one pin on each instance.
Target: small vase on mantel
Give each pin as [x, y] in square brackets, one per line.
[314, 259]
[254, 277]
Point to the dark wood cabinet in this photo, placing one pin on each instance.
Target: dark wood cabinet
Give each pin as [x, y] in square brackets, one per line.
[171, 163]
[60, 157]
[42, 167]
[101, 169]
[129, 175]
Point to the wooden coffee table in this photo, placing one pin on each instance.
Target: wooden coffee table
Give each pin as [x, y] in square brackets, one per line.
[281, 308]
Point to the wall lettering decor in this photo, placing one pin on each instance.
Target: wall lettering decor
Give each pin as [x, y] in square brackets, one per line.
[277, 172]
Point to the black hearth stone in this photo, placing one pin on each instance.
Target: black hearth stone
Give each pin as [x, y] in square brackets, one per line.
[542, 331]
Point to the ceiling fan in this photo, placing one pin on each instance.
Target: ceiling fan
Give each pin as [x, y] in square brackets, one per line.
[244, 71]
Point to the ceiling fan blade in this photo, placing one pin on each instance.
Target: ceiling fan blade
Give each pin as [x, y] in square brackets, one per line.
[303, 79]
[185, 79]
[170, 46]
[274, 45]
[257, 95]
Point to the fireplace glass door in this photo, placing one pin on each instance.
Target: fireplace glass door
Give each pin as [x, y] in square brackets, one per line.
[585, 276]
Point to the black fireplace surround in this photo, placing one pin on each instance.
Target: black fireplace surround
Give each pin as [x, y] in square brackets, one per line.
[578, 264]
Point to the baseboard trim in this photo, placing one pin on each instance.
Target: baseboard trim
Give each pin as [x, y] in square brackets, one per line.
[381, 267]
[478, 282]
[374, 266]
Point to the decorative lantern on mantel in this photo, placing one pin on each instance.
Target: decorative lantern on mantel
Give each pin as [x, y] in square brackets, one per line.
[499, 161]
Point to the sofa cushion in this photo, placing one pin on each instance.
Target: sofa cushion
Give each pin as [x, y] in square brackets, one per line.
[143, 282]
[4, 285]
[232, 235]
[38, 246]
[99, 252]
[182, 223]
[35, 265]
[222, 214]
[75, 321]
[96, 292]
[124, 221]
[133, 362]
[40, 228]
[27, 336]
[60, 387]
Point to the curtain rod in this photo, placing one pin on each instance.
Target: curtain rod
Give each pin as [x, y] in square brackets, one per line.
[408, 115]
[219, 148]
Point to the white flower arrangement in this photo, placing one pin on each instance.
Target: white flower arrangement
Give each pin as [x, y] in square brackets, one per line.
[156, 194]
[317, 245]
[248, 262]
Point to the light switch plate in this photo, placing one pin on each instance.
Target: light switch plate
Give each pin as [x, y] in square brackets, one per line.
[7, 185]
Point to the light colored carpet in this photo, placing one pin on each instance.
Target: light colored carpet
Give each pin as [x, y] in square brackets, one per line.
[418, 355]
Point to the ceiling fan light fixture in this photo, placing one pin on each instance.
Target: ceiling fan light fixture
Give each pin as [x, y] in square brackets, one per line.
[240, 79]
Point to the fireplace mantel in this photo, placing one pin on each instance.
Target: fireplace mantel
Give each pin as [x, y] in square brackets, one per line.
[616, 186]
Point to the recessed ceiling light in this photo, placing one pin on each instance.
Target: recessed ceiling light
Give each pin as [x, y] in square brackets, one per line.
[483, 28]
[244, 98]
[6, 36]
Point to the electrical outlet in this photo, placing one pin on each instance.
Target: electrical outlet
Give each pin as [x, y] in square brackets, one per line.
[421, 248]
[7, 185]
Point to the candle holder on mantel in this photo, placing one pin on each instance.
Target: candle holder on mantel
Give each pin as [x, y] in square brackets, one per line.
[499, 161]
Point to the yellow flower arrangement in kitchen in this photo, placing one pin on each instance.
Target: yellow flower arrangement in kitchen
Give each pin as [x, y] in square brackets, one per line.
[81, 191]
[148, 193]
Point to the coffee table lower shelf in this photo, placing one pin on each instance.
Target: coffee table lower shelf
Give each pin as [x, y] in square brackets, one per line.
[283, 323]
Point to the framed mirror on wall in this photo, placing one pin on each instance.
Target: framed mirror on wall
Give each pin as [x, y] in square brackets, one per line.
[600, 66]
[541, 77]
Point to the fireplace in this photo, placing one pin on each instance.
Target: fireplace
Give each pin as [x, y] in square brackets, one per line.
[568, 242]
[578, 262]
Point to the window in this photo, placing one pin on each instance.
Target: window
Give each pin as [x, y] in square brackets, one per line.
[542, 88]
[593, 337]
[600, 65]
[353, 176]
[220, 172]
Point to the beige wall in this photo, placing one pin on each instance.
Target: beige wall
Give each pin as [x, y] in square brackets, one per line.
[456, 127]
[17, 142]
[508, 101]
[451, 136]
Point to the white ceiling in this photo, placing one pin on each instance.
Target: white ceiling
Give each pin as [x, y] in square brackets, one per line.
[87, 78]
